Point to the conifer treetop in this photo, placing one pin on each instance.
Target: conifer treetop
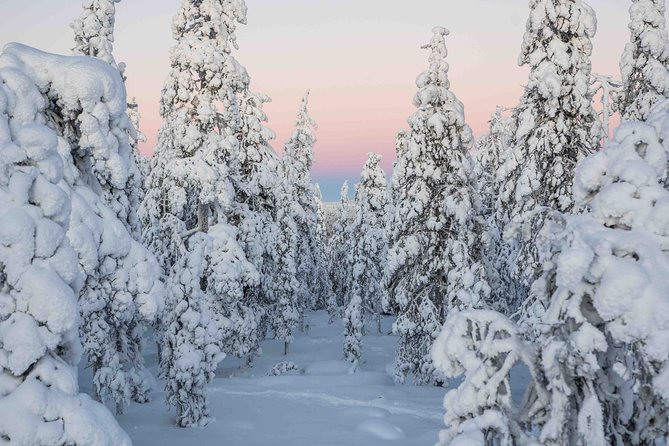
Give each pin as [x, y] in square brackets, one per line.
[644, 64]
[437, 105]
[300, 145]
[203, 69]
[555, 121]
[198, 148]
[438, 71]
[304, 123]
[254, 119]
[94, 30]
[344, 192]
[373, 182]
[258, 162]
[557, 47]
[371, 165]
[211, 20]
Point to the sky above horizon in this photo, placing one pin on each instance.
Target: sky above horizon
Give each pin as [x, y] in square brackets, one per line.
[359, 58]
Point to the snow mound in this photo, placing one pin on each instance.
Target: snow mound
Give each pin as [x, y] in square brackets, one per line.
[329, 368]
[284, 368]
[469, 438]
[381, 429]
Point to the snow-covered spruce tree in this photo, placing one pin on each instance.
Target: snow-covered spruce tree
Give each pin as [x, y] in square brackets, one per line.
[353, 317]
[121, 291]
[206, 317]
[298, 159]
[94, 30]
[645, 62]
[353, 326]
[325, 299]
[271, 241]
[659, 119]
[40, 279]
[367, 256]
[229, 276]
[142, 163]
[490, 153]
[255, 204]
[395, 196]
[94, 37]
[197, 149]
[432, 263]
[482, 346]
[195, 173]
[339, 248]
[321, 229]
[190, 349]
[284, 312]
[602, 335]
[555, 123]
[369, 248]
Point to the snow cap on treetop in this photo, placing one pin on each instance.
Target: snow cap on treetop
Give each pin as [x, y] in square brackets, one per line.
[374, 157]
[438, 41]
[437, 73]
[441, 31]
[303, 114]
[343, 194]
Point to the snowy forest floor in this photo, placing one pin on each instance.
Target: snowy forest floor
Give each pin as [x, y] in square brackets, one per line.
[323, 405]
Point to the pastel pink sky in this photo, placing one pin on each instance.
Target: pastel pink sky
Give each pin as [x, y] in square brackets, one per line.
[359, 58]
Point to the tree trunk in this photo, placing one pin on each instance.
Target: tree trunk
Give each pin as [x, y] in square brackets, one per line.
[96, 394]
[285, 348]
[203, 217]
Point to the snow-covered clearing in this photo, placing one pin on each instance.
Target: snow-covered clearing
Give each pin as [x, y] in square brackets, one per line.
[322, 405]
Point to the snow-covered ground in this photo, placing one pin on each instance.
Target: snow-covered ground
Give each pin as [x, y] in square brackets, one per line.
[323, 405]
